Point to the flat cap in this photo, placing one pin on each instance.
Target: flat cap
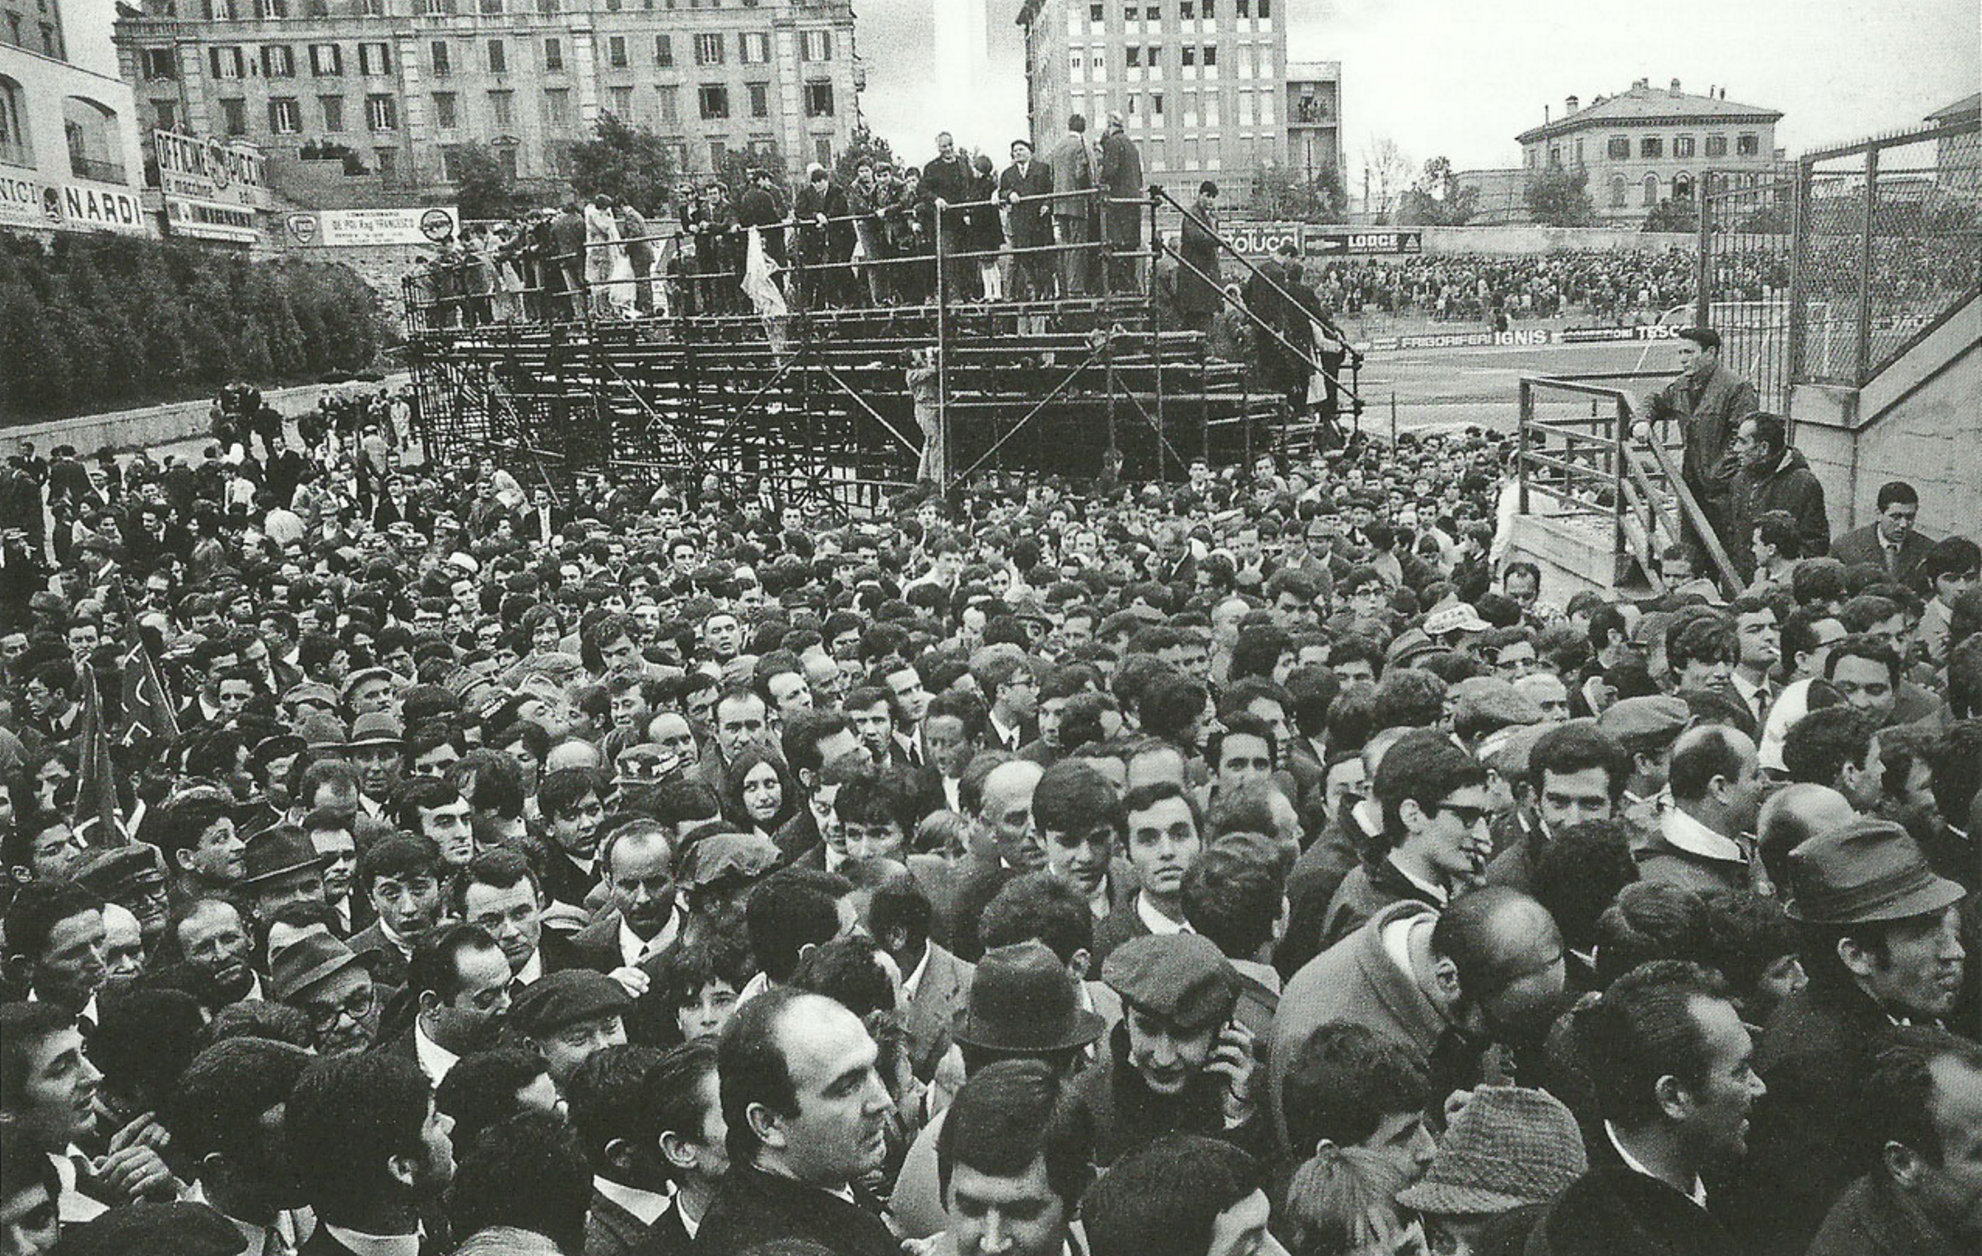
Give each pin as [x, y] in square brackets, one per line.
[1493, 701]
[726, 856]
[1182, 977]
[1455, 617]
[558, 999]
[1635, 722]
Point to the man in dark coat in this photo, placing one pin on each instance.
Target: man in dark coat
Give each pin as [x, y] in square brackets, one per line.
[1890, 542]
[1666, 1123]
[1031, 222]
[1881, 945]
[1198, 279]
[759, 208]
[567, 260]
[1927, 1127]
[1123, 204]
[947, 178]
[1709, 401]
[347, 1129]
[808, 1118]
[1772, 476]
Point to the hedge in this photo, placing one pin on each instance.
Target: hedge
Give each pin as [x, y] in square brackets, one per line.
[103, 322]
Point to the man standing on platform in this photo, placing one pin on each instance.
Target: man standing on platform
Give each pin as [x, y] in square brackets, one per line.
[1032, 222]
[1709, 401]
[1073, 171]
[946, 184]
[1122, 199]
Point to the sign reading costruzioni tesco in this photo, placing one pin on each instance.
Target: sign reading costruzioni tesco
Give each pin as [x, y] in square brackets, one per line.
[343, 228]
[73, 205]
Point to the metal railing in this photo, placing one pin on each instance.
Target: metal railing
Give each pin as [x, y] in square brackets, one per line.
[1587, 461]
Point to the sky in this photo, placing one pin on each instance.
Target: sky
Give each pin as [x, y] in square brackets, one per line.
[1460, 78]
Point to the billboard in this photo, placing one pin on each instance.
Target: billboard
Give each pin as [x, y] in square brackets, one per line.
[1261, 239]
[345, 228]
[212, 189]
[71, 205]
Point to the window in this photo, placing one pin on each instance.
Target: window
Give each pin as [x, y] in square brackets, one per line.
[760, 99]
[714, 99]
[663, 50]
[333, 112]
[1717, 146]
[1749, 145]
[1187, 55]
[1620, 187]
[502, 106]
[446, 117]
[1134, 55]
[822, 150]
[1651, 146]
[374, 59]
[1210, 8]
[1245, 8]
[166, 111]
[1245, 108]
[1682, 187]
[326, 60]
[439, 8]
[1187, 10]
[234, 115]
[1682, 146]
[1266, 107]
[816, 46]
[1097, 13]
[285, 117]
[1651, 190]
[443, 64]
[616, 51]
[1156, 104]
[1190, 104]
[1266, 9]
[381, 114]
[387, 160]
[498, 57]
[1555, 159]
[553, 54]
[708, 50]
[718, 154]
[677, 153]
[753, 48]
[226, 62]
[818, 100]
[1210, 55]
[547, 8]
[622, 101]
[669, 98]
[271, 9]
[158, 64]
[1214, 103]
[372, 8]
[1618, 148]
[1579, 153]
[491, 8]
[557, 107]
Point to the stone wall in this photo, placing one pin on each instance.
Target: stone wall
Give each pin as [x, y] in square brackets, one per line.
[151, 426]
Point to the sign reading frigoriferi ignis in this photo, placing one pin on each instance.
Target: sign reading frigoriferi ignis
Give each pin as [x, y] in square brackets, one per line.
[211, 188]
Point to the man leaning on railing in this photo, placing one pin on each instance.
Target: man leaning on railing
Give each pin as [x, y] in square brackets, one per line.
[1709, 401]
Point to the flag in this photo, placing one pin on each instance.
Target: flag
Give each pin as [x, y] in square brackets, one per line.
[147, 707]
[95, 811]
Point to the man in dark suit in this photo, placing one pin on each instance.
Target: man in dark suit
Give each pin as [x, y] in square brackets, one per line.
[644, 918]
[803, 1137]
[1032, 222]
[616, 1100]
[1124, 204]
[458, 981]
[401, 877]
[368, 1149]
[1890, 543]
[935, 983]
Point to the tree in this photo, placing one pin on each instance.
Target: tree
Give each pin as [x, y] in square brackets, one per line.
[626, 163]
[1280, 191]
[1561, 198]
[1680, 214]
[483, 186]
[864, 145]
[1387, 169]
[738, 163]
[1436, 199]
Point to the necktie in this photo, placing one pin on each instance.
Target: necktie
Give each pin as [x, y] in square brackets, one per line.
[276, 1243]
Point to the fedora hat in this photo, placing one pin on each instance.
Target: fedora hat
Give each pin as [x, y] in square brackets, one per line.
[277, 851]
[306, 961]
[1507, 1147]
[1023, 999]
[375, 728]
[1863, 872]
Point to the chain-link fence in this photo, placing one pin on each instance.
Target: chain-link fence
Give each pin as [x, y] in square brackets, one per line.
[1827, 269]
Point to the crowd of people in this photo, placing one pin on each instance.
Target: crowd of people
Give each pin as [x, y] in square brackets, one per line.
[1057, 224]
[1251, 864]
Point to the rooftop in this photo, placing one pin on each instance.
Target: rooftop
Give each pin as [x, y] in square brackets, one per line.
[1645, 103]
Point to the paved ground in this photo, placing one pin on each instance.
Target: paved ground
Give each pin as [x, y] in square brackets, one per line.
[1455, 387]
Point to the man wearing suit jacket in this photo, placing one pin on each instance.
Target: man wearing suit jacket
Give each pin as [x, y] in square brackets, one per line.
[935, 983]
[459, 980]
[1890, 543]
[1074, 216]
[540, 518]
[1032, 221]
[350, 1130]
[629, 1106]
[637, 860]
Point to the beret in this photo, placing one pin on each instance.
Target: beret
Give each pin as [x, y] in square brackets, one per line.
[1182, 977]
[1653, 719]
[558, 999]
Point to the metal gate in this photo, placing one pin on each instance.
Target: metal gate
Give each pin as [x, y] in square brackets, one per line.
[1747, 235]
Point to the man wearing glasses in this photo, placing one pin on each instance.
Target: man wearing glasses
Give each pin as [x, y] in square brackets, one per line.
[328, 983]
[1435, 812]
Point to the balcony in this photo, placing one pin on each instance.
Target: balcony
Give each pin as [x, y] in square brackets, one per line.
[97, 170]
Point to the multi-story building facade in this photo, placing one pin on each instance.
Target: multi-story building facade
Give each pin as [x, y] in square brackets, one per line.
[1201, 84]
[404, 84]
[70, 158]
[1314, 118]
[1646, 145]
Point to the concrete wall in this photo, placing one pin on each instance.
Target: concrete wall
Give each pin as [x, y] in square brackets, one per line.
[1919, 421]
[152, 426]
